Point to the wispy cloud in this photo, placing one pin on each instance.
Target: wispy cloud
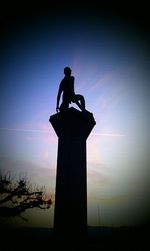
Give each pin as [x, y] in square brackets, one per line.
[24, 130]
[46, 131]
[108, 134]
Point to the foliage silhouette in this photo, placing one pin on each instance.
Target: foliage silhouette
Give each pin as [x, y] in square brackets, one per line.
[18, 196]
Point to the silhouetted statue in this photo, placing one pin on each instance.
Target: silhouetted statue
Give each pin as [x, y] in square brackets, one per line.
[67, 88]
[72, 128]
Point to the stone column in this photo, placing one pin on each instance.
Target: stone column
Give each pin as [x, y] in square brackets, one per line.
[70, 216]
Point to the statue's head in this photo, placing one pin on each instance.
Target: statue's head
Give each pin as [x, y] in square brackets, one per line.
[67, 71]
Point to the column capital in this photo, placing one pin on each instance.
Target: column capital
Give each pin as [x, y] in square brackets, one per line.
[72, 123]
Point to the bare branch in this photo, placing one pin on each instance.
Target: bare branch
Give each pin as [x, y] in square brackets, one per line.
[20, 195]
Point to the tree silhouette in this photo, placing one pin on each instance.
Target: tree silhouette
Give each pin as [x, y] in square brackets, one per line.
[18, 196]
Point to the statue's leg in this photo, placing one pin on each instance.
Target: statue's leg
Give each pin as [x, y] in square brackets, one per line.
[80, 98]
[64, 106]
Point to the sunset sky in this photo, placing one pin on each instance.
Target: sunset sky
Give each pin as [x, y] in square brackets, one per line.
[109, 57]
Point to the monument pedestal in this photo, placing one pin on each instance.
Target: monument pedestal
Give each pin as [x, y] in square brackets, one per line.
[70, 216]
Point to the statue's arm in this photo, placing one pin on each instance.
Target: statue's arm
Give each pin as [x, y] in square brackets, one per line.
[58, 97]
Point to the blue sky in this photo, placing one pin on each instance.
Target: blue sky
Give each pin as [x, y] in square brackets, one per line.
[109, 57]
